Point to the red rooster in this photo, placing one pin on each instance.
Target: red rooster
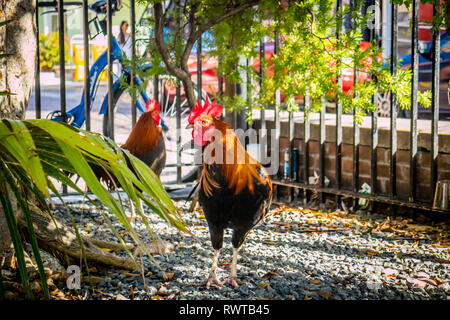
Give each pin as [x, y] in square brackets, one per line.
[145, 142]
[235, 190]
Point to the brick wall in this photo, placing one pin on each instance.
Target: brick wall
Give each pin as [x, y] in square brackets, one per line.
[424, 191]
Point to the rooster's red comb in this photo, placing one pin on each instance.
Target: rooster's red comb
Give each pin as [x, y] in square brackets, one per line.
[153, 105]
[213, 109]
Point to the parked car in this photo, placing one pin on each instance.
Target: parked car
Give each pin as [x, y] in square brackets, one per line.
[426, 78]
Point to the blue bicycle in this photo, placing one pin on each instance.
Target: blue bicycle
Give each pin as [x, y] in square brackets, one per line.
[76, 116]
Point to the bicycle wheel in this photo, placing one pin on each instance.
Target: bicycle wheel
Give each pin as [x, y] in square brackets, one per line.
[167, 101]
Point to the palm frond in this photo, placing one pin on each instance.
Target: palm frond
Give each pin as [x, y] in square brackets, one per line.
[32, 152]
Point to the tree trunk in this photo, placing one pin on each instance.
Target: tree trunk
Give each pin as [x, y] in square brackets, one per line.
[181, 71]
[17, 72]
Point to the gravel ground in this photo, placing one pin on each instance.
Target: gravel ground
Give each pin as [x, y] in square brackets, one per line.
[293, 254]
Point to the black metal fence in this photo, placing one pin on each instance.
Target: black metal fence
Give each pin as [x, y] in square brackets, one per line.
[374, 196]
[297, 181]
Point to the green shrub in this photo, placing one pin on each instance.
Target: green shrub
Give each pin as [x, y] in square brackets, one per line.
[49, 51]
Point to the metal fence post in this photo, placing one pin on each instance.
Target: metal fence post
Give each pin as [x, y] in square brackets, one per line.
[414, 89]
[356, 130]
[110, 112]
[374, 118]
[338, 108]
[87, 87]
[133, 62]
[263, 137]
[62, 70]
[393, 103]
[322, 138]
[275, 153]
[435, 100]
[199, 69]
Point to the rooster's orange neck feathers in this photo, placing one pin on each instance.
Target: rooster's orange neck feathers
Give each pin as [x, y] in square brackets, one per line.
[238, 167]
[144, 136]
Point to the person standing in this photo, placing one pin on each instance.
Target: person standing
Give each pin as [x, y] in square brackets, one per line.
[124, 39]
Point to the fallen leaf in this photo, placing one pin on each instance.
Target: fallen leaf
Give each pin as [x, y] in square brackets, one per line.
[70, 296]
[157, 298]
[93, 270]
[326, 295]
[392, 273]
[263, 284]
[129, 274]
[132, 293]
[88, 229]
[271, 243]
[307, 298]
[438, 281]
[372, 252]
[224, 264]
[314, 282]
[201, 216]
[270, 274]
[163, 291]
[415, 244]
[107, 249]
[55, 292]
[441, 260]
[168, 276]
[442, 244]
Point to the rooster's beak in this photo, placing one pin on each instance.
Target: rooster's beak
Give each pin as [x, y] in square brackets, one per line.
[190, 126]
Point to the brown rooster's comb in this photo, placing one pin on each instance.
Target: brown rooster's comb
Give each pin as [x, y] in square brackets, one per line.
[152, 105]
[213, 109]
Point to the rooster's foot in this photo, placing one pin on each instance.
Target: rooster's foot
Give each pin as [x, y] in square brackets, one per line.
[234, 281]
[212, 279]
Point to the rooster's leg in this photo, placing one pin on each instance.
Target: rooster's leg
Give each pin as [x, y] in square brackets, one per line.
[239, 235]
[232, 279]
[212, 278]
[133, 210]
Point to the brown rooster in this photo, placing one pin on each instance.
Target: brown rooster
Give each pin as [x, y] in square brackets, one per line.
[235, 190]
[145, 142]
